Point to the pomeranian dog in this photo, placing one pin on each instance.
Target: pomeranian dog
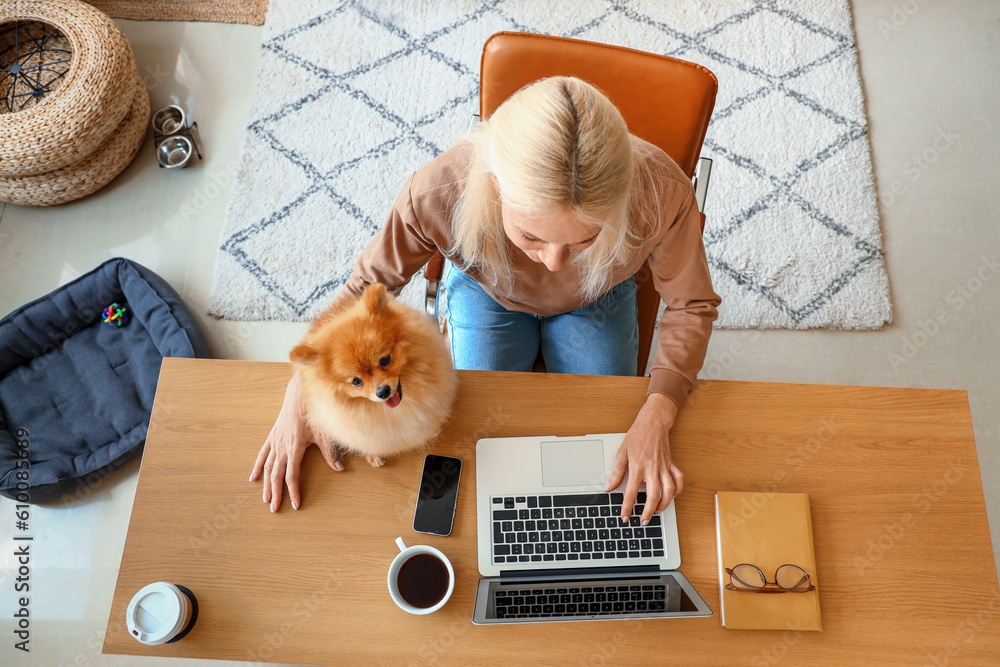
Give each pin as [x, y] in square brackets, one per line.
[377, 377]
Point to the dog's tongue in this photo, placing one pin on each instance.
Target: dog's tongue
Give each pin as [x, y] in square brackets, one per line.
[395, 399]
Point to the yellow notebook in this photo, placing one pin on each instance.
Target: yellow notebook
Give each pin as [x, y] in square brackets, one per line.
[767, 530]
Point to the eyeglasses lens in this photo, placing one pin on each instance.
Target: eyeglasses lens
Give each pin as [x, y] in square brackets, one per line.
[747, 578]
[792, 578]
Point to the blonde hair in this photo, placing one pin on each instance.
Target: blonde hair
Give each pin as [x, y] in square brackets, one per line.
[557, 143]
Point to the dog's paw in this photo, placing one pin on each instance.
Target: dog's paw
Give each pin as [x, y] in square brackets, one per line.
[376, 461]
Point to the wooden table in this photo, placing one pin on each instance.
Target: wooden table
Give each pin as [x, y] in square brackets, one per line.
[902, 543]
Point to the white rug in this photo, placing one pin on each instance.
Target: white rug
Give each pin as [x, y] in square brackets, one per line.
[351, 97]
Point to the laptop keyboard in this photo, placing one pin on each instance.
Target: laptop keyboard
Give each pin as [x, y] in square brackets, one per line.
[579, 601]
[577, 527]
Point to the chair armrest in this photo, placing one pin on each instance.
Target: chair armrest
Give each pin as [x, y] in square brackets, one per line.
[432, 274]
[701, 176]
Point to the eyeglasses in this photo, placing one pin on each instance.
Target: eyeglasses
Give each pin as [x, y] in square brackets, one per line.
[787, 579]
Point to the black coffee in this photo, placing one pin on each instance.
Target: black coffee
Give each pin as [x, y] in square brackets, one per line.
[422, 581]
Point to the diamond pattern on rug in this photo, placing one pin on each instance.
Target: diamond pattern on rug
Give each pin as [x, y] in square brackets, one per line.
[352, 98]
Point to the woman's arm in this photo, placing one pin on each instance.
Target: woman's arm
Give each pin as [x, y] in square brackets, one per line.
[679, 270]
[390, 258]
[280, 457]
[645, 454]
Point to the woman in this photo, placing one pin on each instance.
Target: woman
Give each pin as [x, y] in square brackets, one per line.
[546, 212]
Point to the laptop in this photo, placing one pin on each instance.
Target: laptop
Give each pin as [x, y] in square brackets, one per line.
[552, 546]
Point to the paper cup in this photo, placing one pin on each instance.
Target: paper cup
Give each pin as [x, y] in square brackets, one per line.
[161, 613]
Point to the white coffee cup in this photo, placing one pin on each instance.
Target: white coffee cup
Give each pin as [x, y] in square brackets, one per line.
[405, 553]
[160, 613]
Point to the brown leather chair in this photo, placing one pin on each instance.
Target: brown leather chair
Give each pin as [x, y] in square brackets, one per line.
[666, 101]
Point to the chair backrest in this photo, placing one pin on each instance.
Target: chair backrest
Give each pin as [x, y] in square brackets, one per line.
[666, 101]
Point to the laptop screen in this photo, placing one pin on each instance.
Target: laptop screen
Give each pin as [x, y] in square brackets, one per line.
[586, 597]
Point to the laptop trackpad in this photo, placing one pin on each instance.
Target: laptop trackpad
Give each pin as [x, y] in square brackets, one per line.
[573, 463]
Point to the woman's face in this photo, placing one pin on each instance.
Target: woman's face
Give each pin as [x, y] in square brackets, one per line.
[548, 238]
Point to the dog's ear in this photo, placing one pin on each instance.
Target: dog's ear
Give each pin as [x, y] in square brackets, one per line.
[375, 298]
[303, 353]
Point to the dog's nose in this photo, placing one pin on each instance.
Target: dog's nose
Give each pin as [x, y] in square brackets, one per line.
[384, 392]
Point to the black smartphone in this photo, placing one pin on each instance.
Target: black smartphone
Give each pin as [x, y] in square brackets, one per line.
[437, 495]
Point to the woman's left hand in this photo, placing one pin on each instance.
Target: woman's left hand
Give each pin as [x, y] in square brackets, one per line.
[645, 454]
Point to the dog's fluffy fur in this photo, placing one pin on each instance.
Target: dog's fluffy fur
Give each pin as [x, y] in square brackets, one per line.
[374, 354]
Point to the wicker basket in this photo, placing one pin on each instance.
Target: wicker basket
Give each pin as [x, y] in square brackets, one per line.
[95, 171]
[71, 120]
[41, 55]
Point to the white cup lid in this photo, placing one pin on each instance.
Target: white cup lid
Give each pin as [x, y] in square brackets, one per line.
[157, 613]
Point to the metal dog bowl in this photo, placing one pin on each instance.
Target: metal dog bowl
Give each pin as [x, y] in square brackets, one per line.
[174, 151]
[169, 119]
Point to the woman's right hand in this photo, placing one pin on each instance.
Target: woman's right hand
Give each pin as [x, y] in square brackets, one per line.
[281, 455]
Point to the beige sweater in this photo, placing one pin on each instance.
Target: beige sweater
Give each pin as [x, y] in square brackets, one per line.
[419, 224]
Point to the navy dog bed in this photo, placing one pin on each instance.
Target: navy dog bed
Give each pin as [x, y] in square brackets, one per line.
[75, 393]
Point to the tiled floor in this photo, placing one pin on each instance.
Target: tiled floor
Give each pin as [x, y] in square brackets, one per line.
[929, 71]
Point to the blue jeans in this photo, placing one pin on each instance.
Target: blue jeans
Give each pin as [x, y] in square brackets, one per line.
[599, 339]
